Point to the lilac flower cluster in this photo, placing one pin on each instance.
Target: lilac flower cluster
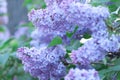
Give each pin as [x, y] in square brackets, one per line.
[89, 52]
[110, 44]
[44, 63]
[77, 74]
[85, 15]
[95, 49]
[60, 17]
[50, 19]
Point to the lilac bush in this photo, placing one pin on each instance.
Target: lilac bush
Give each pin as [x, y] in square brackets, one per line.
[58, 18]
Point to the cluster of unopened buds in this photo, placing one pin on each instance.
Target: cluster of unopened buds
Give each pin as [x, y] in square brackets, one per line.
[58, 18]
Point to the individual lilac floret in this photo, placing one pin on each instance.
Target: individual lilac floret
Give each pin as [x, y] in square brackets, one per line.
[89, 52]
[44, 63]
[110, 44]
[77, 74]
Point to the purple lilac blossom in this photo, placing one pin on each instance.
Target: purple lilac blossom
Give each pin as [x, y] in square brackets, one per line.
[100, 31]
[82, 74]
[51, 19]
[118, 37]
[88, 17]
[44, 63]
[95, 49]
[42, 37]
[85, 15]
[110, 44]
[57, 19]
[89, 52]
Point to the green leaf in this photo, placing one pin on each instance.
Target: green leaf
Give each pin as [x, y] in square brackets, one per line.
[2, 29]
[25, 77]
[3, 59]
[87, 36]
[27, 2]
[14, 44]
[99, 2]
[106, 72]
[75, 44]
[118, 76]
[70, 34]
[57, 40]
[5, 44]
[110, 69]
[115, 4]
[104, 61]
[102, 77]
[116, 61]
